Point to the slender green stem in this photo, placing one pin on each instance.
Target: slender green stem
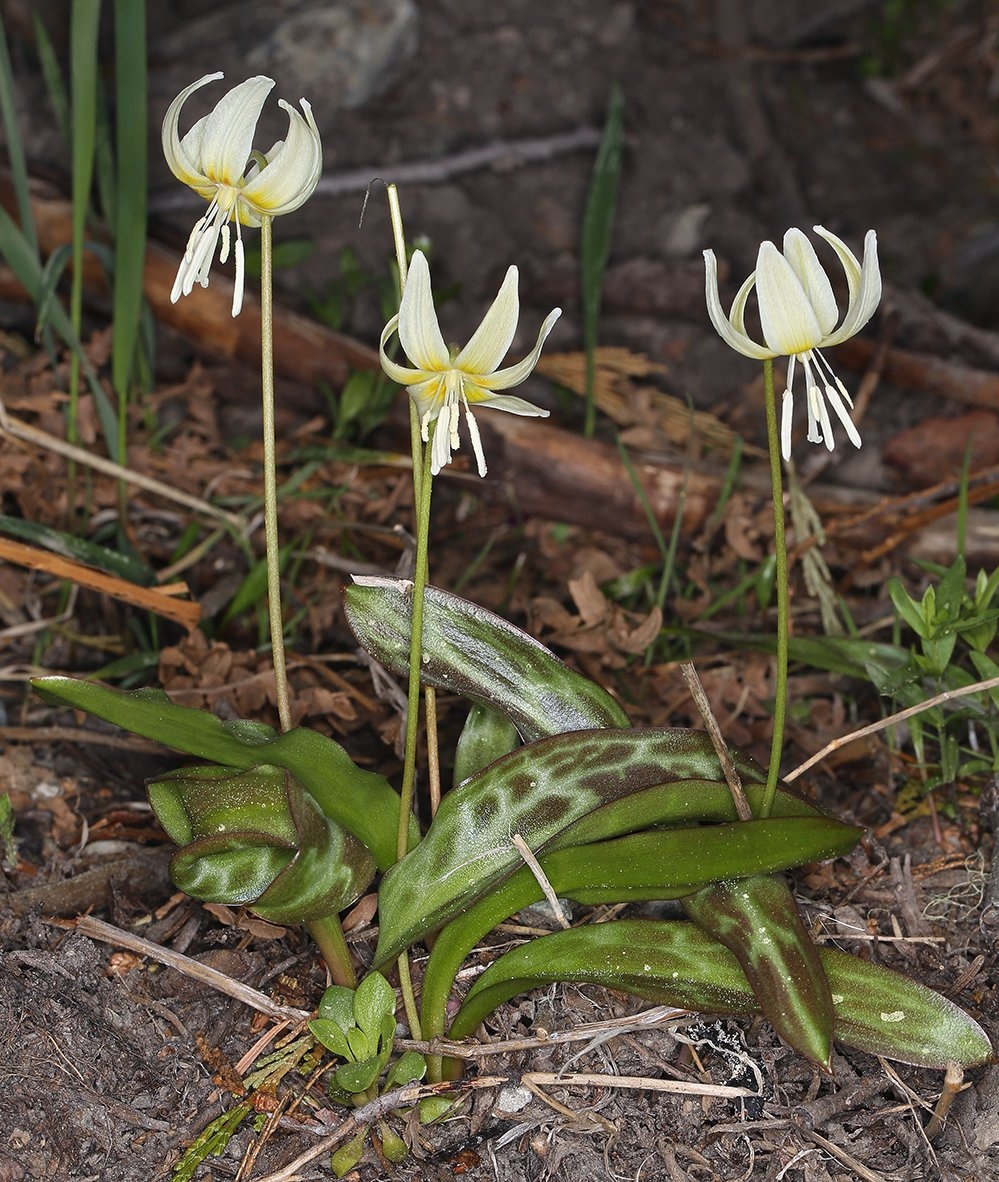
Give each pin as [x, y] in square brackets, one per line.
[415, 656]
[408, 997]
[422, 488]
[273, 551]
[783, 610]
[328, 935]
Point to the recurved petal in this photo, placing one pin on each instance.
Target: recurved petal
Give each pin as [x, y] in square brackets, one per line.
[399, 373]
[804, 262]
[786, 316]
[182, 156]
[868, 295]
[293, 168]
[731, 332]
[491, 340]
[227, 137]
[419, 332]
[847, 258]
[510, 403]
[513, 375]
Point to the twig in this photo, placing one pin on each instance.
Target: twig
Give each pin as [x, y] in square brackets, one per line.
[404, 1097]
[471, 1050]
[542, 879]
[732, 778]
[500, 155]
[882, 724]
[953, 1082]
[845, 1158]
[639, 1082]
[28, 434]
[96, 929]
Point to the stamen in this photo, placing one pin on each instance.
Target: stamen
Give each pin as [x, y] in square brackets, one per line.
[237, 291]
[473, 431]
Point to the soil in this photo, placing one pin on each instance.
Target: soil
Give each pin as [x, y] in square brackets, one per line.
[741, 120]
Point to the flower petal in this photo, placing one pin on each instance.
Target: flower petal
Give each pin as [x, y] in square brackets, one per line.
[731, 331]
[513, 375]
[508, 402]
[400, 373]
[429, 398]
[804, 262]
[865, 295]
[183, 156]
[789, 324]
[419, 331]
[227, 137]
[293, 168]
[491, 340]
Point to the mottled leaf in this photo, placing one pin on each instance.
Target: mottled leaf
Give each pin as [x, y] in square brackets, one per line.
[662, 864]
[470, 651]
[758, 922]
[364, 803]
[877, 1010]
[538, 792]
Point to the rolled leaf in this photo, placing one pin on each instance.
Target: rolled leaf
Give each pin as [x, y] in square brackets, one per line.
[486, 736]
[663, 864]
[876, 1009]
[364, 803]
[538, 792]
[256, 838]
[757, 920]
[473, 652]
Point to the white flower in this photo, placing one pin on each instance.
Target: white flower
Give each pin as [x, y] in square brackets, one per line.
[444, 381]
[798, 315]
[216, 159]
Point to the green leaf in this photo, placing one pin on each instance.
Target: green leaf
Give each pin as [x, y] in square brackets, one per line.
[80, 550]
[331, 1035]
[910, 611]
[344, 1159]
[256, 838]
[408, 1067]
[473, 652]
[538, 792]
[486, 736]
[758, 921]
[363, 803]
[877, 1010]
[337, 1004]
[131, 179]
[358, 1077]
[361, 1047]
[373, 1000]
[662, 864]
[394, 1148]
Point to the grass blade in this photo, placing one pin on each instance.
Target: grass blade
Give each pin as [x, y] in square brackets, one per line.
[15, 149]
[598, 226]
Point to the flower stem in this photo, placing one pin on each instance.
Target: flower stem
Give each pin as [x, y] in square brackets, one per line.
[783, 610]
[422, 488]
[415, 655]
[328, 935]
[273, 552]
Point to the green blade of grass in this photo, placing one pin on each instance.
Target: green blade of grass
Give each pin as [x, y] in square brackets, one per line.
[55, 84]
[130, 198]
[84, 23]
[598, 226]
[15, 150]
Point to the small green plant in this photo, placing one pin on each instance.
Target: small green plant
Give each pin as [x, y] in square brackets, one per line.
[358, 1026]
[955, 628]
